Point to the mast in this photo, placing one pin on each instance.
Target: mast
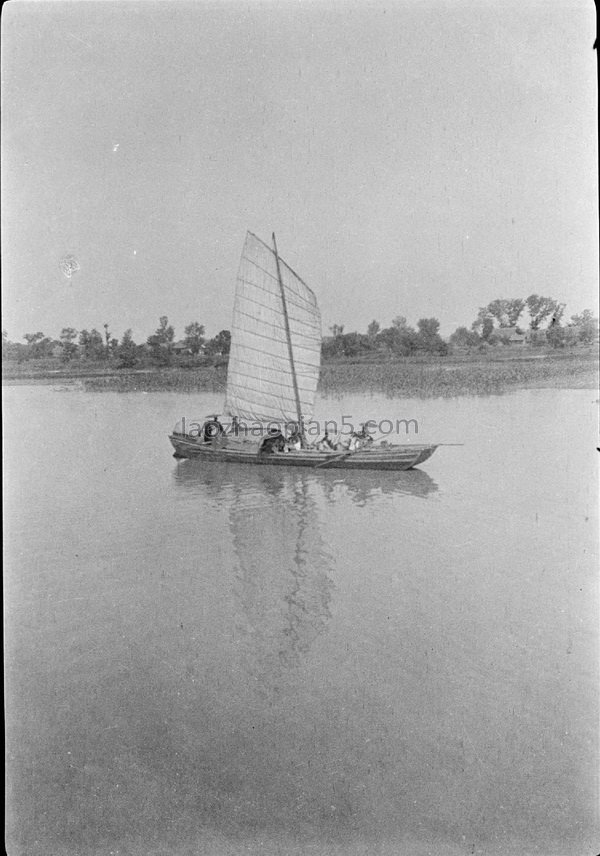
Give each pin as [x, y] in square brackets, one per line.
[289, 341]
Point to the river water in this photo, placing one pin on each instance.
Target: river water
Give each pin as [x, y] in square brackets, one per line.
[249, 660]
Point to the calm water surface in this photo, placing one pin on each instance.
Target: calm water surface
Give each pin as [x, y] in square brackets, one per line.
[243, 660]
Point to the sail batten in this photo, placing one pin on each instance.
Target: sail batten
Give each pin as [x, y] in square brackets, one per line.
[259, 389]
[251, 376]
[279, 357]
[272, 374]
[308, 300]
[266, 337]
[278, 326]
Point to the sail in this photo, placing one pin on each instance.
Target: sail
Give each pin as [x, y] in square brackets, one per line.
[262, 362]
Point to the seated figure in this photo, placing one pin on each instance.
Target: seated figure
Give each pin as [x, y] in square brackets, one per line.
[326, 444]
[212, 430]
[273, 442]
[359, 439]
[294, 439]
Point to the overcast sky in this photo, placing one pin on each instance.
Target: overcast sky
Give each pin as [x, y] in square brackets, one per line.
[415, 158]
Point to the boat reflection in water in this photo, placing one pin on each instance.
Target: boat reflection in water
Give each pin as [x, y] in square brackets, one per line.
[282, 576]
[371, 485]
[221, 482]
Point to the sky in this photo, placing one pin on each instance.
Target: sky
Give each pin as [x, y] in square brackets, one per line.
[413, 158]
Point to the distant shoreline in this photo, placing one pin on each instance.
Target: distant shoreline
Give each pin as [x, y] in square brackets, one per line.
[418, 377]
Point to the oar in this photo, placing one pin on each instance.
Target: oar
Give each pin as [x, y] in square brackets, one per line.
[332, 458]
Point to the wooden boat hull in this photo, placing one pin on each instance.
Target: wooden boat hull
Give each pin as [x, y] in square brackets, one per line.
[244, 452]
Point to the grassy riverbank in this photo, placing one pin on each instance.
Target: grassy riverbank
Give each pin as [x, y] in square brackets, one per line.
[464, 375]
[498, 371]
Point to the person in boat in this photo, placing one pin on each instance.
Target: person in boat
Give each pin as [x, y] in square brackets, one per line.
[273, 442]
[326, 444]
[359, 439]
[294, 440]
[211, 430]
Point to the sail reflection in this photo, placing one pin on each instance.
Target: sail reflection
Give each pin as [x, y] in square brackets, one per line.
[283, 587]
[284, 568]
[283, 576]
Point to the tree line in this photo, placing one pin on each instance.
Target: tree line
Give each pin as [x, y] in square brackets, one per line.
[93, 346]
[399, 339]
[494, 324]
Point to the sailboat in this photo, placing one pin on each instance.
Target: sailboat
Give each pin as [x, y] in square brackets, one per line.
[272, 377]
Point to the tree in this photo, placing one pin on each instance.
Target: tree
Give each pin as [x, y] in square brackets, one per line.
[586, 326]
[161, 341]
[482, 316]
[164, 333]
[399, 341]
[194, 336]
[399, 323]
[373, 329]
[557, 315]
[12, 350]
[220, 345]
[346, 345]
[429, 338]
[540, 308]
[107, 338]
[463, 338]
[556, 336]
[92, 345]
[428, 326]
[484, 325]
[515, 308]
[67, 341]
[353, 344]
[68, 334]
[331, 348]
[38, 346]
[497, 309]
[337, 330]
[487, 330]
[127, 351]
[506, 311]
